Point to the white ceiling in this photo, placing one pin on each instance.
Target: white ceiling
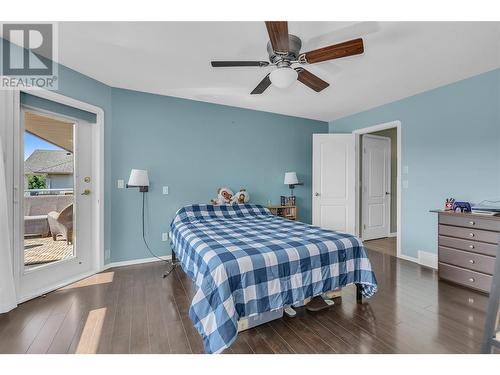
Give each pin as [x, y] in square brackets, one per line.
[173, 58]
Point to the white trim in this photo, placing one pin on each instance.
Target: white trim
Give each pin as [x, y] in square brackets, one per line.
[428, 259]
[98, 140]
[393, 234]
[409, 258]
[135, 261]
[375, 128]
[98, 204]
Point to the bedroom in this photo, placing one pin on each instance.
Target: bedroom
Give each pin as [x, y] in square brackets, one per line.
[159, 199]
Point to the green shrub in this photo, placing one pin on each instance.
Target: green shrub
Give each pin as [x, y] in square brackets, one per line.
[36, 182]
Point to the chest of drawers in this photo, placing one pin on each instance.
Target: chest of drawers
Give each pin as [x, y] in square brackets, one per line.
[467, 248]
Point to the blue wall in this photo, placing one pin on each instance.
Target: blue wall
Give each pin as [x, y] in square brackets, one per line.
[193, 148]
[451, 146]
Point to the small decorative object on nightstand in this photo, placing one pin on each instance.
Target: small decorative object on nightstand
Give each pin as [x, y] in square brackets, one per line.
[287, 212]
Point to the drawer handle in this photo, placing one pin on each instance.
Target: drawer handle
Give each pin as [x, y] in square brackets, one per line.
[471, 234]
[472, 223]
[471, 246]
[471, 261]
[472, 280]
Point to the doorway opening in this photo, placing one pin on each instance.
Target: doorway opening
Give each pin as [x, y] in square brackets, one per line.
[379, 188]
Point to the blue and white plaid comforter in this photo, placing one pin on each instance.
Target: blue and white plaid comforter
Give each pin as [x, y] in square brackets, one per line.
[245, 261]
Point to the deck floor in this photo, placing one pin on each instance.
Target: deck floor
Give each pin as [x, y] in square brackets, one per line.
[134, 310]
[43, 250]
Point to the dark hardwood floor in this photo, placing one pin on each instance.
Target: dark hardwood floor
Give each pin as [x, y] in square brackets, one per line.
[133, 310]
[385, 245]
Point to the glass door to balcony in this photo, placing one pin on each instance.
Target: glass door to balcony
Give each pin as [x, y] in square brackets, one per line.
[55, 172]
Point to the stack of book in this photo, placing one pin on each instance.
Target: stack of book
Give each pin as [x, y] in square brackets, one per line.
[287, 201]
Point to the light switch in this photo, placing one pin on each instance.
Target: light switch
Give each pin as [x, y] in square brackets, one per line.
[405, 169]
[120, 184]
[405, 184]
[164, 236]
[165, 190]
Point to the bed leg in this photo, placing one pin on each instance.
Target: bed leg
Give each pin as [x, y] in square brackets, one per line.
[173, 264]
[359, 295]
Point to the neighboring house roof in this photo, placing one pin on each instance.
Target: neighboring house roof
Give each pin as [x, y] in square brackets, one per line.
[49, 162]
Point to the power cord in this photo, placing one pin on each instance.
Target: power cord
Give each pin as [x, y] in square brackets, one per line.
[172, 263]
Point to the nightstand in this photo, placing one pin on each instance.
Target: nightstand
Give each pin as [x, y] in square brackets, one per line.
[287, 212]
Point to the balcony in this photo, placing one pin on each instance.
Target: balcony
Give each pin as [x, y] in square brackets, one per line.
[48, 226]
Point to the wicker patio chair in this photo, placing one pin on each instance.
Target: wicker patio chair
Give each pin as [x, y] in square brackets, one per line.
[61, 223]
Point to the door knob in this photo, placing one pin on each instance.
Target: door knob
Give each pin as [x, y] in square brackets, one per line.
[86, 192]
[316, 194]
[387, 193]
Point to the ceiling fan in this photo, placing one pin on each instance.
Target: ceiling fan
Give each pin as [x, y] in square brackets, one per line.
[284, 51]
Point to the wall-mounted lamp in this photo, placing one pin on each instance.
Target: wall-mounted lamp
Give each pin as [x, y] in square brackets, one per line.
[139, 178]
[291, 180]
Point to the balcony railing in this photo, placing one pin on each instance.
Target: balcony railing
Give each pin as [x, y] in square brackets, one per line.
[32, 192]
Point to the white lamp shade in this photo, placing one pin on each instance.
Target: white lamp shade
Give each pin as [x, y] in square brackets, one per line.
[283, 77]
[138, 177]
[291, 178]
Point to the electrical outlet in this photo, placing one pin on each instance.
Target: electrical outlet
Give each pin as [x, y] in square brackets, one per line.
[107, 254]
[164, 236]
[120, 184]
[165, 190]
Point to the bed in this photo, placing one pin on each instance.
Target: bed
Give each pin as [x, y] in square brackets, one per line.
[245, 261]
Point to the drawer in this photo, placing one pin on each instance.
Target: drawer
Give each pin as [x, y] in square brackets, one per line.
[470, 222]
[471, 234]
[468, 245]
[472, 279]
[472, 261]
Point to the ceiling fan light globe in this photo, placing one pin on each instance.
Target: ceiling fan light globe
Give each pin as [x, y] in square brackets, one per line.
[283, 77]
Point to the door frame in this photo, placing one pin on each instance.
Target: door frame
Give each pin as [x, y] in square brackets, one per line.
[371, 129]
[388, 212]
[13, 120]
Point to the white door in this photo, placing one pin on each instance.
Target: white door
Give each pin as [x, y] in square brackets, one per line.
[376, 184]
[53, 252]
[333, 186]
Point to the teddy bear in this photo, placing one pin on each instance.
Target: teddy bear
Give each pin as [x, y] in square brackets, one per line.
[224, 196]
[241, 197]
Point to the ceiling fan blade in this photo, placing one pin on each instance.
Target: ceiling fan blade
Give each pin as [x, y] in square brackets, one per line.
[278, 34]
[336, 51]
[262, 86]
[228, 64]
[310, 80]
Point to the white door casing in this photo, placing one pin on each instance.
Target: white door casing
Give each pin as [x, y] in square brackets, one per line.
[333, 183]
[375, 187]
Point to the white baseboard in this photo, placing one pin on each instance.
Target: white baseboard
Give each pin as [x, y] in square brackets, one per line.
[135, 261]
[428, 259]
[409, 258]
[424, 259]
[393, 234]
